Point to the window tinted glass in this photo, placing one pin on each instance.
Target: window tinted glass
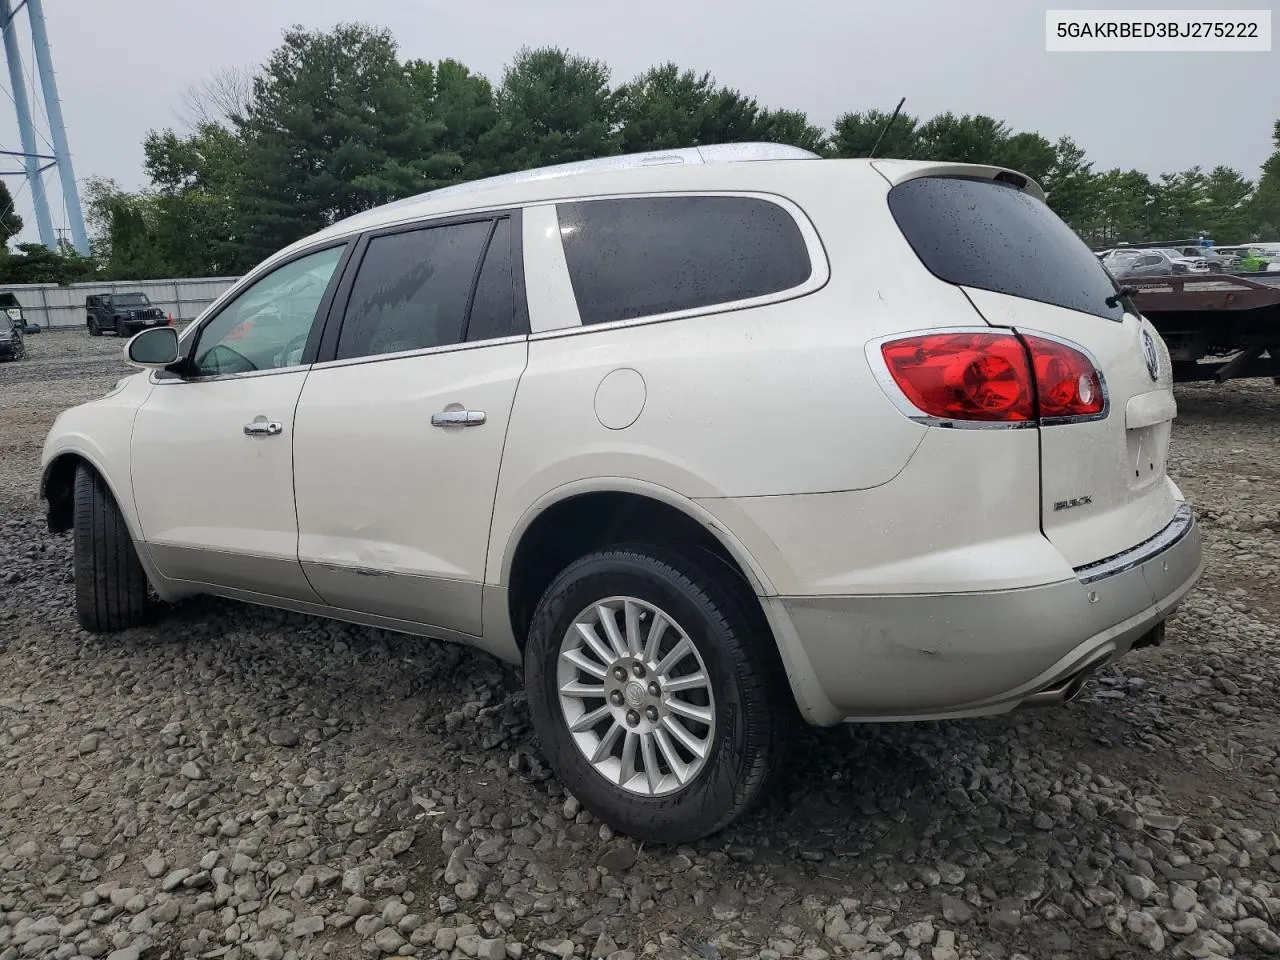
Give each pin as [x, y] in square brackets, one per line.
[411, 290]
[493, 308]
[982, 234]
[646, 256]
[266, 326]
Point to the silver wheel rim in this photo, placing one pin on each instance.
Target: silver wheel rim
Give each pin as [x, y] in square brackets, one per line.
[636, 696]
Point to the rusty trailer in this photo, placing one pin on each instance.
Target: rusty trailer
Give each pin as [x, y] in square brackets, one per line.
[1217, 327]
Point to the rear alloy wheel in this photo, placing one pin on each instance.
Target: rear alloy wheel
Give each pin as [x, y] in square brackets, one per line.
[111, 586]
[94, 329]
[654, 695]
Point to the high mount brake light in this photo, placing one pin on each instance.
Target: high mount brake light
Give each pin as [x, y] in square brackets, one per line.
[994, 377]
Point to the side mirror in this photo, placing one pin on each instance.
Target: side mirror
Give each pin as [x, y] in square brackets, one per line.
[153, 349]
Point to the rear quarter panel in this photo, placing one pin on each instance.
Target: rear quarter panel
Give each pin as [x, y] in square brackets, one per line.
[760, 402]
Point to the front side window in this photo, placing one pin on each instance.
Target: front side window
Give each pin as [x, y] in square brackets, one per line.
[413, 290]
[644, 256]
[267, 324]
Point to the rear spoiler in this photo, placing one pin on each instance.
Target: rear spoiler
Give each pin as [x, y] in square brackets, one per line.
[900, 171]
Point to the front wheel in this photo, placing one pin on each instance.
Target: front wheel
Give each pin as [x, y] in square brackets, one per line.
[111, 586]
[655, 692]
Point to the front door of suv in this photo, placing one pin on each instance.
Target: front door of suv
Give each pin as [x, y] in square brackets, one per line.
[401, 424]
[212, 450]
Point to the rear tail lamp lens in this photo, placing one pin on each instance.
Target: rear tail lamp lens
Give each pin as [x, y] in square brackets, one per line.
[994, 377]
[1067, 383]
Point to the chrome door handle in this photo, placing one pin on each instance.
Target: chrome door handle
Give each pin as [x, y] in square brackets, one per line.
[458, 418]
[262, 427]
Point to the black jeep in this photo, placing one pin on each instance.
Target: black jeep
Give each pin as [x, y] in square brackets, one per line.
[123, 313]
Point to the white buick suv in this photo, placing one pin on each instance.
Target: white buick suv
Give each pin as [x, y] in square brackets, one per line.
[666, 431]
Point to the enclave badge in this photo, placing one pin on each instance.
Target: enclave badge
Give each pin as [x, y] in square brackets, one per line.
[1150, 355]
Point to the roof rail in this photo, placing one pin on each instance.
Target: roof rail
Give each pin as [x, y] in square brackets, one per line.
[711, 153]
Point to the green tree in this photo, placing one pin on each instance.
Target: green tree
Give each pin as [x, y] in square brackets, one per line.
[1071, 187]
[855, 134]
[196, 180]
[10, 222]
[36, 263]
[1228, 214]
[333, 128]
[1266, 203]
[665, 108]
[461, 116]
[553, 107]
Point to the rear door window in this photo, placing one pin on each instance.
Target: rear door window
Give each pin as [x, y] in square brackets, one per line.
[645, 256]
[413, 289]
[992, 236]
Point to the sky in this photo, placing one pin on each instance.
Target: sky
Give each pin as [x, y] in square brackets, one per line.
[122, 66]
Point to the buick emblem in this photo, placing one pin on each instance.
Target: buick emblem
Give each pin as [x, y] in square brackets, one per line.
[1150, 355]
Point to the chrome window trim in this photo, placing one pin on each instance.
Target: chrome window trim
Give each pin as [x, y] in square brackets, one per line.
[160, 381]
[1177, 528]
[422, 352]
[819, 264]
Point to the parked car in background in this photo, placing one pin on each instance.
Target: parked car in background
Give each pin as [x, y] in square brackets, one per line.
[1194, 263]
[13, 344]
[10, 306]
[1249, 259]
[1129, 262]
[1216, 261]
[124, 314]
[670, 433]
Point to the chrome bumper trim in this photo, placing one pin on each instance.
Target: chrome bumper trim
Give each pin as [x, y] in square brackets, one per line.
[1178, 527]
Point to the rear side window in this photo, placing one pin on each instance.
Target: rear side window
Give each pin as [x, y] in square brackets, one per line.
[640, 257]
[980, 233]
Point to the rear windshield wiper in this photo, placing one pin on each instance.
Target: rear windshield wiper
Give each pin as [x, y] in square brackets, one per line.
[1120, 294]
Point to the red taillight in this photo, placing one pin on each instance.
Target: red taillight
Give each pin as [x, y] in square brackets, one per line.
[963, 376]
[981, 376]
[1067, 382]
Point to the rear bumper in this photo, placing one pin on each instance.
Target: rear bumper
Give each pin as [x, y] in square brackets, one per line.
[935, 656]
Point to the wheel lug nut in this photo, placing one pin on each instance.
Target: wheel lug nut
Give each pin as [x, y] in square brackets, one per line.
[638, 669]
[619, 674]
[651, 713]
[654, 689]
[616, 698]
[632, 718]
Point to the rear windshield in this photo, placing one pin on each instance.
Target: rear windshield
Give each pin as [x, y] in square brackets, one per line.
[984, 234]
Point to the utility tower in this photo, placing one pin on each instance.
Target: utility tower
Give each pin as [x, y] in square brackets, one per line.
[36, 161]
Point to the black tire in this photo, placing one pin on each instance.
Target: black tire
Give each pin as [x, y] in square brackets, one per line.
[94, 329]
[111, 587]
[120, 329]
[752, 707]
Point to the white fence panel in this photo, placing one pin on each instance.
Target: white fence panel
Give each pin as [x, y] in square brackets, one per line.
[53, 306]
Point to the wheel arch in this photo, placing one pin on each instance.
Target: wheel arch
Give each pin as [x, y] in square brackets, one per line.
[57, 490]
[527, 567]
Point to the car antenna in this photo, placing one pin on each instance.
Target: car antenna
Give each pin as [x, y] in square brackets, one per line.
[885, 128]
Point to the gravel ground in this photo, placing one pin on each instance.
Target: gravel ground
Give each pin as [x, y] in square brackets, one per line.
[234, 782]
